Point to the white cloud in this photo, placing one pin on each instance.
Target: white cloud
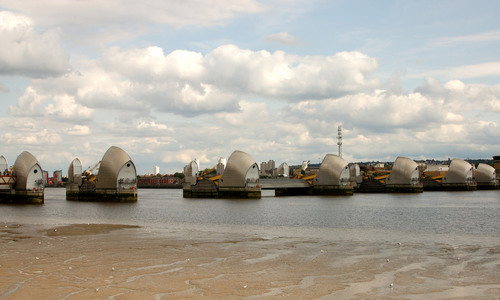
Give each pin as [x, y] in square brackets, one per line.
[464, 72]
[65, 107]
[235, 99]
[289, 77]
[29, 103]
[444, 134]
[78, 130]
[187, 155]
[450, 119]
[489, 129]
[27, 52]
[377, 112]
[151, 64]
[283, 38]
[37, 137]
[249, 113]
[152, 124]
[488, 36]
[492, 103]
[186, 83]
[3, 88]
[114, 20]
[463, 97]
[172, 80]
[455, 86]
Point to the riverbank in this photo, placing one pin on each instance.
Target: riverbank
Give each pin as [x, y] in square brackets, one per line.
[103, 261]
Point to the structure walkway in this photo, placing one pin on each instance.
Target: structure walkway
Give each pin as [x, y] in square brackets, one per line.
[282, 183]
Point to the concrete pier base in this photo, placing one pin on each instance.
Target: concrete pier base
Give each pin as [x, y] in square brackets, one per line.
[187, 191]
[431, 184]
[244, 193]
[370, 185]
[88, 192]
[103, 196]
[21, 197]
[316, 190]
[301, 191]
[204, 189]
[458, 187]
[404, 188]
[333, 190]
[207, 189]
[488, 186]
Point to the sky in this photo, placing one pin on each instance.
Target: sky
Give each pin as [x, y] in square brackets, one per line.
[169, 81]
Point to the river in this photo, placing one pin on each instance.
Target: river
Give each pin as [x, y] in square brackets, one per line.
[474, 213]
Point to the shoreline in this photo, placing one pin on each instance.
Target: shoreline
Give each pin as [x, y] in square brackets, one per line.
[112, 261]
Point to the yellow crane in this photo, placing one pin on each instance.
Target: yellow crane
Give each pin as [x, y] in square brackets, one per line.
[88, 175]
[300, 173]
[309, 178]
[206, 173]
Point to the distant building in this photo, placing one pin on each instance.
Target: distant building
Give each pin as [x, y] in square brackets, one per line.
[268, 167]
[221, 165]
[159, 182]
[496, 165]
[157, 170]
[57, 177]
[283, 170]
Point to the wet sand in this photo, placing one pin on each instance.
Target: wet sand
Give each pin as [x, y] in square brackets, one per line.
[104, 261]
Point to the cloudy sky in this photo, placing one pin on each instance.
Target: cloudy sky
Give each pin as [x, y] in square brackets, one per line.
[169, 81]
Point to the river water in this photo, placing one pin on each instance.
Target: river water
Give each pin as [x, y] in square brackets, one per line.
[472, 213]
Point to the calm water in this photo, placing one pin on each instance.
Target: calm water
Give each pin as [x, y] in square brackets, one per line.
[430, 212]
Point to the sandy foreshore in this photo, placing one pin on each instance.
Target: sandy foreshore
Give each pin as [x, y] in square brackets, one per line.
[101, 261]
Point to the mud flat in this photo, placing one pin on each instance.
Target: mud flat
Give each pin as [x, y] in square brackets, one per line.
[106, 261]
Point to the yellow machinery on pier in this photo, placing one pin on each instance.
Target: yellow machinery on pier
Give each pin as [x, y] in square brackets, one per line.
[88, 175]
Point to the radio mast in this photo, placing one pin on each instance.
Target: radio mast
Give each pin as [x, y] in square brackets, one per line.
[339, 140]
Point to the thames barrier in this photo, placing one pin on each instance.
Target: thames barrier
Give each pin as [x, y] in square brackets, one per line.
[334, 177]
[23, 183]
[114, 178]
